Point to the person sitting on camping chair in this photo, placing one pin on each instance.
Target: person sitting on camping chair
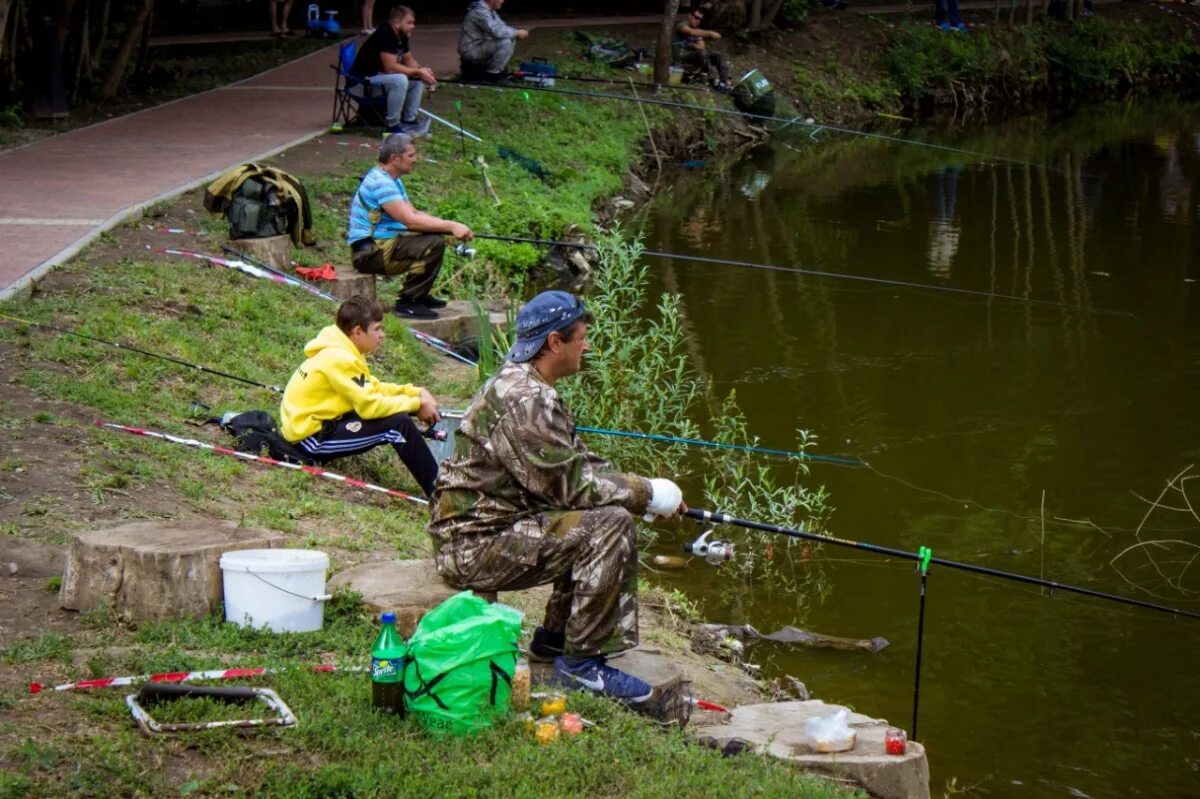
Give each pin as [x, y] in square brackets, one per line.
[385, 60]
[486, 43]
[690, 50]
[333, 406]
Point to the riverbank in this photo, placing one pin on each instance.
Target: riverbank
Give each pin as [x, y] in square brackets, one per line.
[843, 67]
[62, 475]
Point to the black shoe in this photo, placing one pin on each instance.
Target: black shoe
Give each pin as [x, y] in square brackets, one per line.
[430, 301]
[413, 310]
[546, 645]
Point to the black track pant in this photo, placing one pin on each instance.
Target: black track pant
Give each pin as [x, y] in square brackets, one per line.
[351, 435]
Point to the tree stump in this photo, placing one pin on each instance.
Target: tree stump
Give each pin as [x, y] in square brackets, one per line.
[348, 283]
[275, 251]
[154, 570]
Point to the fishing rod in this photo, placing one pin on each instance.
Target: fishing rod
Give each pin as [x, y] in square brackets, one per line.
[716, 551]
[540, 80]
[315, 471]
[451, 414]
[818, 273]
[698, 442]
[796, 120]
[126, 347]
[250, 265]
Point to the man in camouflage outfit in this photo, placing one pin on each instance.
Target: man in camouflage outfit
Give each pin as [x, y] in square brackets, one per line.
[522, 503]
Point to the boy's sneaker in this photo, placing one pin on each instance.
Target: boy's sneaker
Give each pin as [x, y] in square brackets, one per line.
[546, 645]
[430, 301]
[414, 310]
[596, 675]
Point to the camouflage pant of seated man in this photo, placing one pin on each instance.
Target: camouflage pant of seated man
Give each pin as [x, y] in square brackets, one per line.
[590, 556]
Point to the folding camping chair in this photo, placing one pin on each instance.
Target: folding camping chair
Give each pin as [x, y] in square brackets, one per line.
[353, 97]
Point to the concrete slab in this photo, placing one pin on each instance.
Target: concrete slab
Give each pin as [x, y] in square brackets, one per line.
[408, 588]
[456, 322]
[777, 729]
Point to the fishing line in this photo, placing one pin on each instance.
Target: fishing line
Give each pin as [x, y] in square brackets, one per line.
[797, 120]
[818, 273]
[126, 347]
[926, 557]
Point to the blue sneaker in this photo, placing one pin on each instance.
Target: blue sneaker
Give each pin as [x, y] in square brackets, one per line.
[946, 26]
[597, 676]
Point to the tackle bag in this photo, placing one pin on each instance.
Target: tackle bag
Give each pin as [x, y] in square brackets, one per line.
[459, 669]
[256, 431]
[256, 211]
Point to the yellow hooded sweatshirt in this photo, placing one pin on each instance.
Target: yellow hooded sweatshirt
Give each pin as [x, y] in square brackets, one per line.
[334, 381]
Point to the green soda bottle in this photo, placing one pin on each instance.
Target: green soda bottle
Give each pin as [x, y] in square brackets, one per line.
[387, 668]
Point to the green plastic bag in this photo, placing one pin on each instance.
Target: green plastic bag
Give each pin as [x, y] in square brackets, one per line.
[461, 658]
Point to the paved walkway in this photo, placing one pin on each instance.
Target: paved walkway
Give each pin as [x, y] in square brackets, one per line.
[58, 194]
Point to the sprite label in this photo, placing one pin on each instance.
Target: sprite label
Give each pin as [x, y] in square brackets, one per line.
[387, 669]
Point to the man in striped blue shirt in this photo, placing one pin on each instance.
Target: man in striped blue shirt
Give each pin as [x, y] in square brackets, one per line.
[388, 236]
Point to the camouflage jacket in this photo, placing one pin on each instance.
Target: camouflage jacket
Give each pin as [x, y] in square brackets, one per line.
[517, 455]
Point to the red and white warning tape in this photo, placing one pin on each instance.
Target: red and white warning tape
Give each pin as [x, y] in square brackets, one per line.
[315, 471]
[178, 677]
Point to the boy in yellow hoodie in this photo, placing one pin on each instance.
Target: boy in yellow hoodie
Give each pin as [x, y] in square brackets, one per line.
[333, 406]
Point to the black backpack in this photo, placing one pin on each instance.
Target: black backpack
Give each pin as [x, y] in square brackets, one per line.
[256, 211]
[256, 431]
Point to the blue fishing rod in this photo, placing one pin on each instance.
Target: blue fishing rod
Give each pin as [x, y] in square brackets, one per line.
[798, 120]
[699, 442]
[816, 273]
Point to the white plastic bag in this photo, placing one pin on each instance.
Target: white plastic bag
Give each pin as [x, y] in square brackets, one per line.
[829, 733]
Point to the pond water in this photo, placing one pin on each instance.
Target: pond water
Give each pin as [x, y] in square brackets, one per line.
[1021, 436]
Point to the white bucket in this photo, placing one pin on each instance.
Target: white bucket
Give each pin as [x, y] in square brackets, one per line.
[280, 589]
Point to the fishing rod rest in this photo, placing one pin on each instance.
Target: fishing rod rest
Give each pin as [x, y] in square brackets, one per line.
[715, 552]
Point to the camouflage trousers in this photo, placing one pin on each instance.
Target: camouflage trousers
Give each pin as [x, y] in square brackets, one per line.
[417, 256]
[590, 557]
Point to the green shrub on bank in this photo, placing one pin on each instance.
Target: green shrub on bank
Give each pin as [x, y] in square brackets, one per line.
[1089, 57]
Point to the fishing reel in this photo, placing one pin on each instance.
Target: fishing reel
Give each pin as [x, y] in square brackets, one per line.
[463, 250]
[715, 552]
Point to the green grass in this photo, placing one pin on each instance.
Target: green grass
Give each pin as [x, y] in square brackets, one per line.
[341, 747]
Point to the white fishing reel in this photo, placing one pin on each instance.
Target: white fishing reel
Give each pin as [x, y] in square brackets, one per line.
[462, 249]
[715, 552]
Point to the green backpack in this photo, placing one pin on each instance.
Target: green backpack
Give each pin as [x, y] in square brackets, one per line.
[460, 664]
[256, 212]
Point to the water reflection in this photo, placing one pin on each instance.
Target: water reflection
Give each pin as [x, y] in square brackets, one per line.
[1025, 438]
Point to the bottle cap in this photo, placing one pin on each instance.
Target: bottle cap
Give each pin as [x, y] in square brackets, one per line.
[388, 618]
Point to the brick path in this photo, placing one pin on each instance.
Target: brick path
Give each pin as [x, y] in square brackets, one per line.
[59, 193]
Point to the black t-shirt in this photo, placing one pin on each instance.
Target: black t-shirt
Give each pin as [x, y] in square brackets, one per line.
[383, 40]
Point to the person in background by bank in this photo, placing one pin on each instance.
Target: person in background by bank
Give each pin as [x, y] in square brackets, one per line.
[333, 406]
[386, 60]
[388, 236]
[368, 17]
[522, 502]
[691, 50]
[280, 11]
[486, 44]
[946, 16]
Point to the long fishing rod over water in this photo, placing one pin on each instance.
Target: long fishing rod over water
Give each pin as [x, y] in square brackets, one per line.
[690, 442]
[817, 273]
[924, 558]
[799, 120]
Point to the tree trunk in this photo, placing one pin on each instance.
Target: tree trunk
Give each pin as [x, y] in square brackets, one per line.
[769, 17]
[4, 7]
[662, 56]
[116, 68]
[755, 14]
[1029, 12]
[143, 61]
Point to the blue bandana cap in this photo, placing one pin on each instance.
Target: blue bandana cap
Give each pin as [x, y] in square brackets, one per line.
[548, 312]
